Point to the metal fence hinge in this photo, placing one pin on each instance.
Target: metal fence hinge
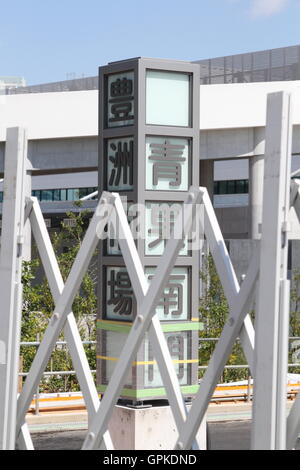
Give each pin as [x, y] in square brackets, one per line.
[20, 243]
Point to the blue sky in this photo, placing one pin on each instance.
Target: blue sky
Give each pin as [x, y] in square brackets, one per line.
[46, 40]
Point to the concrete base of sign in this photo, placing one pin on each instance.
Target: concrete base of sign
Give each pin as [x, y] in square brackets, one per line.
[147, 429]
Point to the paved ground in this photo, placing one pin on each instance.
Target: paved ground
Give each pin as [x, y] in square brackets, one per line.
[230, 435]
[63, 440]
[229, 428]
[77, 420]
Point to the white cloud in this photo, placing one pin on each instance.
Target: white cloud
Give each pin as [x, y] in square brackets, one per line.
[267, 7]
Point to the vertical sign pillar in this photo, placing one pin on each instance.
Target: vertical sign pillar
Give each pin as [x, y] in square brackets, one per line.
[149, 153]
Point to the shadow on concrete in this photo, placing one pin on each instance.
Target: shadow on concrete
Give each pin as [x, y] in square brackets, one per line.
[230, 435]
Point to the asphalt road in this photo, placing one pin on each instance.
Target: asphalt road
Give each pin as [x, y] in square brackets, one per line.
[230, 435]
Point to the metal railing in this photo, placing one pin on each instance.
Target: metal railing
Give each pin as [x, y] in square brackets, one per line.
[245, 397]
[49, 373]
[248, 396]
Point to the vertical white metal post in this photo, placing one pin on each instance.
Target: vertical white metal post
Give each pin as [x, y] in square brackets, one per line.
[26, 252]
[271, 353]
[10, 281]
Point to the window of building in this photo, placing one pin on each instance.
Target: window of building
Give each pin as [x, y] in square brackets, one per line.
[231, 187]
[53, 195]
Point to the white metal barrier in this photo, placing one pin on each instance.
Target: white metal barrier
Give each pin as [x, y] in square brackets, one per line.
[267, 360]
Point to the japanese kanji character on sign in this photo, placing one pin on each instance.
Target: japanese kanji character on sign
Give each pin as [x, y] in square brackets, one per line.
[121, 157]
[121, 101]
[120, 293]
[168, 159]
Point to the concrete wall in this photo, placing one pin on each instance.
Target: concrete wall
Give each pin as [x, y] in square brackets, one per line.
[237, 169]
[64, 153]
[2, 150]
[240, 252]
[51, 115]
[242, 105]
[234, 221]
[295, 254]
[231, 200]
[60, 154]
[87, 179]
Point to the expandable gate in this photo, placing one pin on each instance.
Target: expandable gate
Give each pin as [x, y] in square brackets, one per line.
[267, 357]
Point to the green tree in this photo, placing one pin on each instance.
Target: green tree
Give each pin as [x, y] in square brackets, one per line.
[38, 303]
[295, 304]
[214, 313]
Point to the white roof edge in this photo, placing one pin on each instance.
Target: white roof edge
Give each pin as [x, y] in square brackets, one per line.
[75, 113]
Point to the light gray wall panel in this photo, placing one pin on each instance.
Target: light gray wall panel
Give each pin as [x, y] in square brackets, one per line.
[64, 153]
[231, 169]
[226, 143]
[85, 179]
[2, 148]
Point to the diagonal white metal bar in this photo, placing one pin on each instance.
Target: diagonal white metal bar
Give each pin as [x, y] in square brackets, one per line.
[247, 339]
[293, 424]
[71, 332]
[226, 273]
[295, 196]
[24, 440]
[295, 173]
[64, 304]
[155, 333]
[219, 251]
[293, 420]
[219, 357]
[141, 324]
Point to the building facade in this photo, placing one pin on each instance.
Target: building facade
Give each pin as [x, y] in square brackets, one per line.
[62, 124]
[7, 84]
